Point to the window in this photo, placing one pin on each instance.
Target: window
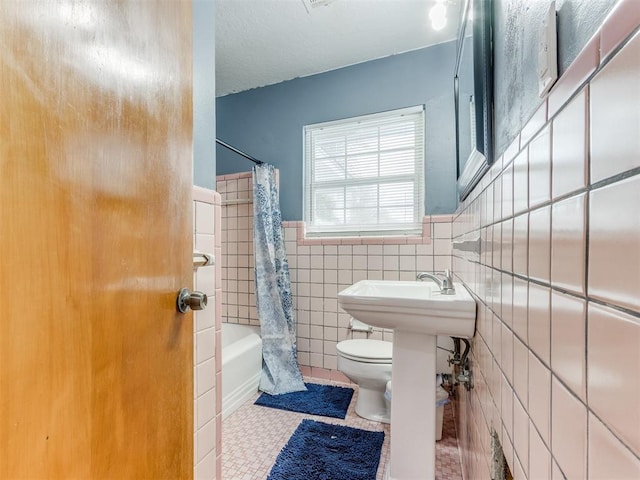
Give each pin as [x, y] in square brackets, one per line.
[364, 175]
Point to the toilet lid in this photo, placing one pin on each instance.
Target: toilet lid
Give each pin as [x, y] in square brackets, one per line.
[370, 351]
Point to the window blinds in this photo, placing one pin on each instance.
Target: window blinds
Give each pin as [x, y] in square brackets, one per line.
[365, 175]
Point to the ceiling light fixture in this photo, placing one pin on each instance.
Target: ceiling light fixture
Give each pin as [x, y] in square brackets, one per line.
[438, 15]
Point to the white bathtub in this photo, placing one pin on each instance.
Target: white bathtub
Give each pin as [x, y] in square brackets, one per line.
[241, 365]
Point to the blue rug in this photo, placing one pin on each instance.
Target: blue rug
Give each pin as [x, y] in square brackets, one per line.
[324, 400]
[320, 451]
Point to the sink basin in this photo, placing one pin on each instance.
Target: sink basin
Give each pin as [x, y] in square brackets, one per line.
[411, 306]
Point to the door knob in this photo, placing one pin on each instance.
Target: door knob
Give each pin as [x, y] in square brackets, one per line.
[191, 300]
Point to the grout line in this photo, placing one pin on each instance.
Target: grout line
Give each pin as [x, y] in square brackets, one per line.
[556, 288]
[587, 230]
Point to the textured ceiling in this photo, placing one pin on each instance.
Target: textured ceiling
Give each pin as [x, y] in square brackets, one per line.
[262, 42]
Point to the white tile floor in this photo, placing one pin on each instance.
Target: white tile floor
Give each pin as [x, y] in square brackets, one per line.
[253, 436]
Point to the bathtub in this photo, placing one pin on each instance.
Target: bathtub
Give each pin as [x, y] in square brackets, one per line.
[241, 365]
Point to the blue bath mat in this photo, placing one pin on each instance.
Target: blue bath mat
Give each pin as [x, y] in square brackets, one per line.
[321, 451]
[324, 400]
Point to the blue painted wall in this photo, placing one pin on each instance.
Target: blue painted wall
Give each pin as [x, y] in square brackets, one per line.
[204, 94]
[517, 25]
[267, 122]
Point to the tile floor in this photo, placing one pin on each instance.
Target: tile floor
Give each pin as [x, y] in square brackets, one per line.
[253, 436]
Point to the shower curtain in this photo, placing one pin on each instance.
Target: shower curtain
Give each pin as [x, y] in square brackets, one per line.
[280, 372]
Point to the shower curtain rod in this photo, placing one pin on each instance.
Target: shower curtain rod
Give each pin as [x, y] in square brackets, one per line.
[235, 150]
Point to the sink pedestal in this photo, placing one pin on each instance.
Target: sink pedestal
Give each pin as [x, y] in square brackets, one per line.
[413, 407]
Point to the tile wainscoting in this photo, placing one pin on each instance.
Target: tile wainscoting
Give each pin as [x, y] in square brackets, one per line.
[319, 269]
[549, 243]
[207, 365]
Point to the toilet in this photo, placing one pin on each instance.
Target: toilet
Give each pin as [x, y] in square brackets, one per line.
[368, 364]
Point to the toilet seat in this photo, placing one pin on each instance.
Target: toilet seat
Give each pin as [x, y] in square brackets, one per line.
[366, 351]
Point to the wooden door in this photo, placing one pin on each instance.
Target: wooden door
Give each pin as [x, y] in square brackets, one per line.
[96, 375]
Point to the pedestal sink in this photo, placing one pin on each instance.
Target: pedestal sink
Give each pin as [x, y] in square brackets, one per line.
[417, 312]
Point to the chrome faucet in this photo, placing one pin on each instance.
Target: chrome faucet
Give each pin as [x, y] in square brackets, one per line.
[442, 279]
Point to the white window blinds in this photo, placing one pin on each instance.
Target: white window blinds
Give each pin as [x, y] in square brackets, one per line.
[364, 175]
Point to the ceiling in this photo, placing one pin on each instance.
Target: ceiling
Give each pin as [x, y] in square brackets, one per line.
[262, 42]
